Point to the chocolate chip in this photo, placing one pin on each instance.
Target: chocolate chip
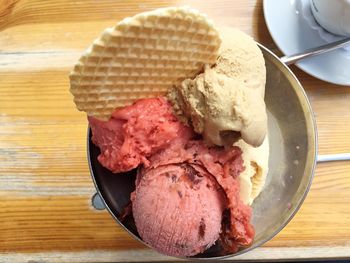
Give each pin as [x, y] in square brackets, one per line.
[191, 173]
[196, 181]
[173, 178]
[182, 246]
[179, 193]
[226, 220]
[201, 229]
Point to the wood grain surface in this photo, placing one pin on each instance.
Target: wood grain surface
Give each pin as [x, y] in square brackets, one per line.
[45, 186]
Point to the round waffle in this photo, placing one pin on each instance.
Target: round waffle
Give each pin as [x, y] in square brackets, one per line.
[142, 57]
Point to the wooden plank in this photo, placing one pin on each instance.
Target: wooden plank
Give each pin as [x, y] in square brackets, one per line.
[260, 254]
[58, 223]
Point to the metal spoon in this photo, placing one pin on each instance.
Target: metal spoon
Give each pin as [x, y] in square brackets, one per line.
[315, 51]
[289, 60]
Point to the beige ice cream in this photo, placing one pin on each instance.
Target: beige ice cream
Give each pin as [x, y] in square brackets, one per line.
[252, 179]
[226, 101]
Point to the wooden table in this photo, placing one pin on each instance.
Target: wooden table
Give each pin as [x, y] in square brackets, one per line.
[45, 186]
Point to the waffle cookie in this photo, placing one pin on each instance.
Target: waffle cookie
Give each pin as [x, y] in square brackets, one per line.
[142, 57]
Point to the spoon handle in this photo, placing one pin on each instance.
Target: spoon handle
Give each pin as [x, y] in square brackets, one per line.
[288, 60]
[333, 157]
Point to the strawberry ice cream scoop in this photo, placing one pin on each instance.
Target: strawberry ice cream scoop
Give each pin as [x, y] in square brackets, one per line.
[170, 221]
[135, 132]
[178, 209]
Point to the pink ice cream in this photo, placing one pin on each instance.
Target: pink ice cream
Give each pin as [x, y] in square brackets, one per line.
[224, 165]
[178, 209]
[187, 194]
[136, 132]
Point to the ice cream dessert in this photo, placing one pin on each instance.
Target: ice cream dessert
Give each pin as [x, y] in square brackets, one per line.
[187, 193]
[226, 102]
[200, 154]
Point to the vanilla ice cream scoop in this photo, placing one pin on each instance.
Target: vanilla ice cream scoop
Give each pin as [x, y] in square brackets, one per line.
[255, 161]
[226, 102]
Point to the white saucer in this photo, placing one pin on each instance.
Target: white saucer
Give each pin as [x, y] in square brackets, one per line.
[293, 34]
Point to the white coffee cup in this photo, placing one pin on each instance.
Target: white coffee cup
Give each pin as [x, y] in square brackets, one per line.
[332, 15]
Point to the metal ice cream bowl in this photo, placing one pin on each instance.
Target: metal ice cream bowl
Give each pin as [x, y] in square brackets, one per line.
[293, 148]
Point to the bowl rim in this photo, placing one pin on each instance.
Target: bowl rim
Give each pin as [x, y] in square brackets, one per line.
[308, 171]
